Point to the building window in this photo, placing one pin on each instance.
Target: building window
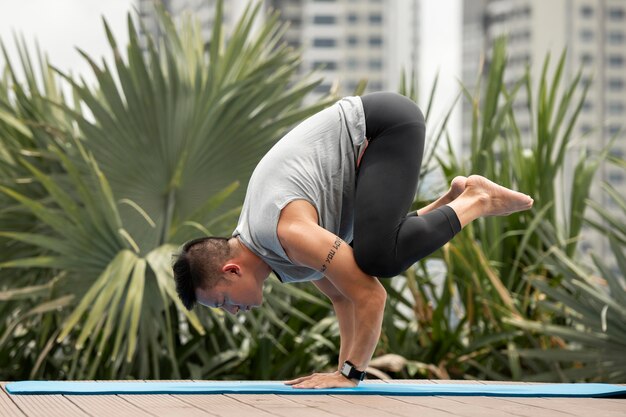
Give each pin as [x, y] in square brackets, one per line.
[324, 42]
[322, 88]
[324, 20]
[325, 65]
[376, 41]
[587, 105]
[585, 247]
[616, 84]
[616, 13]
[351, 85]
[616, 177]
[586, 81]
[353, 40]
[616, 37]
[613, 130]
[617, 153]
[375, 86]
[375, 64]
[353, 18]
[586, 11]
[376, 18]
[586, 59]
[586, 35]
[352, 63]
[585, 129]
[616, 107]
[522, 35]
[616, 61]
[519, 59]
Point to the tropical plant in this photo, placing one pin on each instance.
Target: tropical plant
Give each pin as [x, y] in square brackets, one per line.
[105, 189]
[97, 192]
[589, 305]
[468, 325]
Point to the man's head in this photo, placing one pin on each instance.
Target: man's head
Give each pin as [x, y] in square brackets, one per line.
[219, 272]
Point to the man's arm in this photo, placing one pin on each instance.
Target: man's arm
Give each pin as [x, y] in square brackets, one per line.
[344, 309]
[308, 244]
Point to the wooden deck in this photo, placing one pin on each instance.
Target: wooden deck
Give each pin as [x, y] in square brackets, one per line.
[303, 405]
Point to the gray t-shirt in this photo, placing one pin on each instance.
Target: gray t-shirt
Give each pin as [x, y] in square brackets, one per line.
[316, 162]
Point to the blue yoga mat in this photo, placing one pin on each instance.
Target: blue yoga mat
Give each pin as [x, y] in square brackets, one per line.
[274, 387]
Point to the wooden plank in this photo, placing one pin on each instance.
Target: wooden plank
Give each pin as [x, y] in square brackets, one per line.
[504, 405]
[47, 405]
[579, 406]
[106, 406]
[8, 408]
[339, 406]
[222, 405]
[279, 405]
[454, 407]
[614, 400]
[393, 406]
[164, 405]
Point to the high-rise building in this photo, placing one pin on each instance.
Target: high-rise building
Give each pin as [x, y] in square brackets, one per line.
[594, 33]
[349, 40]
[203, 10]
[346, 40]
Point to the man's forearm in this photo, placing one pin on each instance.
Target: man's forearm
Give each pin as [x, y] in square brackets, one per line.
[345, 317]
[367, 331]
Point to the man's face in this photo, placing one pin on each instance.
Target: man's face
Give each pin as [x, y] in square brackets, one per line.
[233, 294]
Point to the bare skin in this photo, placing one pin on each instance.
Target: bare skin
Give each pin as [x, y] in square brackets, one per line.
[471, 198]
[457, 186]
[484, 198]
[357, 298]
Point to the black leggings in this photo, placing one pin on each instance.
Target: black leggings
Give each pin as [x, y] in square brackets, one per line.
[386, 240]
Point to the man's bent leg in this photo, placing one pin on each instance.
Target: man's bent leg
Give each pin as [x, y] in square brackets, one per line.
[386, 241]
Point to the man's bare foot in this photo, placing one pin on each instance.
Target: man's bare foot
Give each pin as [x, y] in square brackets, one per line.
[499, 200]
[457, 186]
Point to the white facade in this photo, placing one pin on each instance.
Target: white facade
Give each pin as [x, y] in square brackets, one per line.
[594, 33]
[350, 40]
[203, 10]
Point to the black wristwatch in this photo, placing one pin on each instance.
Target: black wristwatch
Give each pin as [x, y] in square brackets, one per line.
[349, 371]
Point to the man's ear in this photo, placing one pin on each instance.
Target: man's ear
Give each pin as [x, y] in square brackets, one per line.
[231, 268]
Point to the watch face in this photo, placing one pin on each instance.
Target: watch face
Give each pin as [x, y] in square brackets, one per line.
[345, 370]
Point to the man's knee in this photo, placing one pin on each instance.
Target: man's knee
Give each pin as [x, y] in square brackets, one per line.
[391, 109]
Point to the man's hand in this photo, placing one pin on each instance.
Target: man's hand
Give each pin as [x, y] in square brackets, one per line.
[322, 380]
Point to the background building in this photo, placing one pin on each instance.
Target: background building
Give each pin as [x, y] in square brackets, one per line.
[347, 40]
[203, 10]
[594, 33]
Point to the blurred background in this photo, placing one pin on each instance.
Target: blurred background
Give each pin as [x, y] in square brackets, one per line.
[376, 40]
[115, 145]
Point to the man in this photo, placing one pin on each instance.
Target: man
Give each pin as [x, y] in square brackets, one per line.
[347, 174]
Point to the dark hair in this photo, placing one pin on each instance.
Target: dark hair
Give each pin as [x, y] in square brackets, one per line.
[199, 265]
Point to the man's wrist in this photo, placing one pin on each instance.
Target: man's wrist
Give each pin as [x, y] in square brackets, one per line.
[351, 372]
